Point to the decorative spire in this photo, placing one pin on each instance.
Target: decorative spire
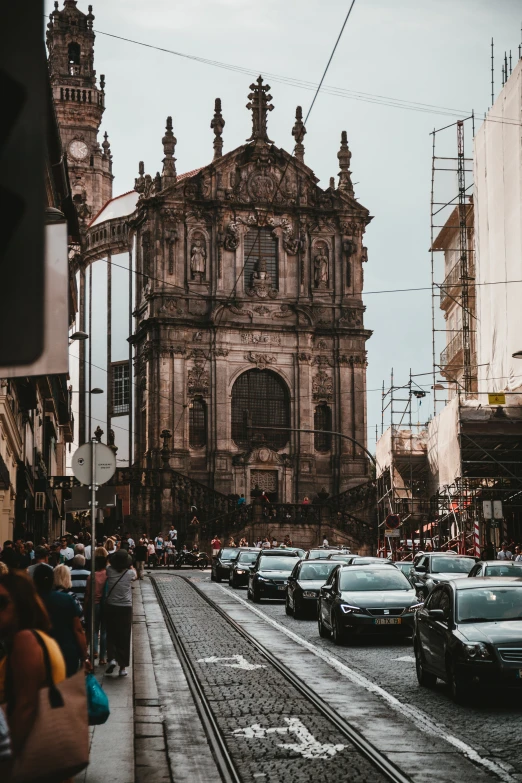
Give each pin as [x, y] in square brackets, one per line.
[169, 141]
[298, 132]
[258, 104]
[344, 155]
[217, 124]
[106, 145]
[139, 182]
[102, 81]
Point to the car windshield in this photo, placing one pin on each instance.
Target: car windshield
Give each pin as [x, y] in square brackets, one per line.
[229, 554]
[316, 571]
[373, 580]
[319, 554]
[484, 604]
[276, 563]
[503, 570]
[451, 565]
[248, 557]
[343, 558]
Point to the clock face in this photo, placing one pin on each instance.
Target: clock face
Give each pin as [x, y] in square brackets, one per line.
[78, 149]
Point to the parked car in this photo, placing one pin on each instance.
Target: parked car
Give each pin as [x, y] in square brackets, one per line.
[224, 561]
[469, 634]
[238, 574]
[361, 560]
[496, 568]
[366, 599]
[268, 577]
[431, 568]
[304, 584]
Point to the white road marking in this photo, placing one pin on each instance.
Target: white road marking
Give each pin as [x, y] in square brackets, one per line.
[405, 658]
[306, 744]
[240, 662]
[418, 717]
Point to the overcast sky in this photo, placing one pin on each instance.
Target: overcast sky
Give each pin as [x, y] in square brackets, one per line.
[427, 51]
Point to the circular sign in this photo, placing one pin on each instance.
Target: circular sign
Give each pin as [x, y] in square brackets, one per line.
[105, 463]
[392, 521]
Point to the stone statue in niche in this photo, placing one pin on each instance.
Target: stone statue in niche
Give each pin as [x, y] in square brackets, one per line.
[321, 268]
[198, 258]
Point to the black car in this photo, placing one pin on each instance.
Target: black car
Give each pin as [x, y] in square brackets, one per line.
[238, 574]
[370, 560]
[224, 561]
[496, 568]
[304, 584]
[323, 552]
[431, 568]
[341, 557]
[268, 577]
[366, 599]
[469, 634]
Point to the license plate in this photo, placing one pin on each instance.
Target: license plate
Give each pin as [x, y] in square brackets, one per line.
[280, 587]
[388, 621]
[519, 674]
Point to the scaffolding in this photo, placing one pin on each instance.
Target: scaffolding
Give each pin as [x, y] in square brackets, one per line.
[402, 472]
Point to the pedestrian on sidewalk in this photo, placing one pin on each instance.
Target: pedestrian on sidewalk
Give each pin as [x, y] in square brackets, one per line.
[173, 536]
[140, 556]
[118, 611]
[159, 543]
[504, 553]
[79, 577]
[215, 545]
[23, 619]
[100, 591]
[64, 614]
[41, 555]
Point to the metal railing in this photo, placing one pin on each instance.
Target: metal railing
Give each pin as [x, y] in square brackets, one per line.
[452, 349]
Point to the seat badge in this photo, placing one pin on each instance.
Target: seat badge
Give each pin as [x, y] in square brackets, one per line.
[386, 611]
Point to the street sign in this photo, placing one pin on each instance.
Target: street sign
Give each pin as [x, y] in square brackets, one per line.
[497, 399]
[487, 509]
[81, 498]
[497, 509]
[392, 533]
[392, 521]
[105, 466]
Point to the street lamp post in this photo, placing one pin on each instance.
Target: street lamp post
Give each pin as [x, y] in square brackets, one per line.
[322, 432]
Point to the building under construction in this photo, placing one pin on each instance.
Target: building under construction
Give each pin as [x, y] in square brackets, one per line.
[456, 481]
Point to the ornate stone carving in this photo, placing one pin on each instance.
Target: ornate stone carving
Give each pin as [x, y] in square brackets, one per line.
[198, 256]
[298, 132]
[197, 337]
[351, 317]
[344, 156]
[232, 235]
[285, 312]
[220, 351]
[261, 186]
[259, 106]
[322, 360]
[321, 266]
[261, 360]
[261, 284]
[198, 379]
[322, 315]
[169, 176]
[321, 345]
[261, 310]
[171, 306]
[217, 124]
[304, 357]
[322, 387]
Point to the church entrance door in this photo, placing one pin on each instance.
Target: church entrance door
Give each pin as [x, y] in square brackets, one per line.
[264, 480]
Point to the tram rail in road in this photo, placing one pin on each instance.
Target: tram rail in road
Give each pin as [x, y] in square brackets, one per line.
[293, 729]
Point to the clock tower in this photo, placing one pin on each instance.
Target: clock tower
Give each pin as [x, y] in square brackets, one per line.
[80, 102]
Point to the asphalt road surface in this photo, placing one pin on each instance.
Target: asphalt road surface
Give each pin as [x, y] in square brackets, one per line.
[490, 725]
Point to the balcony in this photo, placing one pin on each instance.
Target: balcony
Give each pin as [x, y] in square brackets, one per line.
[450, 286]
[453, 348]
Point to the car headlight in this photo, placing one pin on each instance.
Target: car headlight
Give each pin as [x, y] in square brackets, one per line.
[239, 571]
[348, 609]
[477, 651]
[309, 594]
[263, 578]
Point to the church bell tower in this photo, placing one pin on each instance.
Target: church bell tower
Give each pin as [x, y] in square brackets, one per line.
[79, 103]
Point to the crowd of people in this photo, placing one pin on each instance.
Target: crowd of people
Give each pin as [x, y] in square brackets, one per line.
[45, 613]
[268, 542]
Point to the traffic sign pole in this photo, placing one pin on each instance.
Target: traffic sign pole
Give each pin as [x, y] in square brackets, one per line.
[93, 546]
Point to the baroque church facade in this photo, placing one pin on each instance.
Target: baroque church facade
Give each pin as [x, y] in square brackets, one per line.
[248, 336]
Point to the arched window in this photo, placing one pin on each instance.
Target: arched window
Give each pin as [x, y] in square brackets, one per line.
[260, 255]
[322, 421]
[198, 424]
[73, 58]
[260, 398]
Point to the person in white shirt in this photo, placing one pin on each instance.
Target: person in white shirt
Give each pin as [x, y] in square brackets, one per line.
[504, 553]
[518, 554]
[325, 542]
[66, 552]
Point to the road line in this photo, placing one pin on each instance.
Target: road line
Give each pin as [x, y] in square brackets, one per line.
[419, 718]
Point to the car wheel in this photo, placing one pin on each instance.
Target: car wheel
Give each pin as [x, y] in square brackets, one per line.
[324, 633]
[256, 598]
[288, 608]
[212, 577]
[426, 679]
[456, 685]
[338, 634]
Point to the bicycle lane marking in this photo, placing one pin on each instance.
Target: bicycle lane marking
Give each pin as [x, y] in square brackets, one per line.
[418, 717]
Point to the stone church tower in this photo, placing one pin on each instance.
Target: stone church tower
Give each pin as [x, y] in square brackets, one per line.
[249, 317]
[79, 104]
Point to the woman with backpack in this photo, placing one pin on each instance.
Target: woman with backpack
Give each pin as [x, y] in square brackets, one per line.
[118, 611]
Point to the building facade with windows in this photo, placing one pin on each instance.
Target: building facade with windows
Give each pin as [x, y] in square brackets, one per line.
[223, 305]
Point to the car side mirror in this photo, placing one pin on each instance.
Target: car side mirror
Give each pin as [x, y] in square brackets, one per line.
[436, 614]
[420, 569]
[326, 589]
[418, 585]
